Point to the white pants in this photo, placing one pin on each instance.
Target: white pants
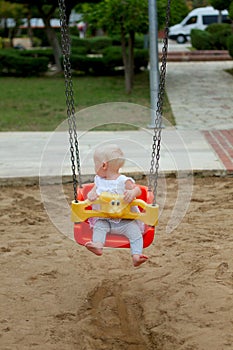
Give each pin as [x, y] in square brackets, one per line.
[128, 228]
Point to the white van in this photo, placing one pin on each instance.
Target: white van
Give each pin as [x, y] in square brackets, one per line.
[198, 18]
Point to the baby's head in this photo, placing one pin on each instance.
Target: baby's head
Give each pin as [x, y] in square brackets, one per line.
[110, 154]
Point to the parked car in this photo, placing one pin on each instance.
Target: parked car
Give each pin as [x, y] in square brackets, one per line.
[198, 18]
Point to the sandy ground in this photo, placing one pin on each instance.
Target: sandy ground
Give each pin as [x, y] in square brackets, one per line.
[56, 295]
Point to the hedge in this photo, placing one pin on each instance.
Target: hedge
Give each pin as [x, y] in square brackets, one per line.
[220, 32]
[201, 40]
[14, 64]
[214, 37]
[141, 59]
[112, 57]
[90, 45]
[35, 53]
[108, 62]
[80, 44]
[95, 56]
[87, 65]
[99, 43]
[230, 45]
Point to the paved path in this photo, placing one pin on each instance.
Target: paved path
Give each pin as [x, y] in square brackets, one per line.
[201, 98]
[201, 94]
[30, 155]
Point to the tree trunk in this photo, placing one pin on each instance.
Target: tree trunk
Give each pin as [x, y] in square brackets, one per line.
[53, 40]
[51, 34]
[29, 30]
[6, 30]
[125, 57]
[131, 57]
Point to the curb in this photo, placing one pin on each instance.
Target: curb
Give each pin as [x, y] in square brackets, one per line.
[35, 181]
[199, 55]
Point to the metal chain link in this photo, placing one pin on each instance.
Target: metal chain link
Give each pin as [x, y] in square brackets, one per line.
[155, 156]
[73, 138]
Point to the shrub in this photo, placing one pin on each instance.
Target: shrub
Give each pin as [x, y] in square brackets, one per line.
[139, 42]
[230, 45]
[214, 37]
[99, 43]
[90, 45]
[219, 32]
[48, 53]
[97, 66]
[112, 57]
[116, 40]
[79, 50]
[141, 58]
[80, 63]
[94, 65]
[218, 27]
[14, 64]
[201, 40]
[108, 62]
[79, 43]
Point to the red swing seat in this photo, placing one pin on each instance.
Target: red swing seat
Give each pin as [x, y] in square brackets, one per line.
[83, 231]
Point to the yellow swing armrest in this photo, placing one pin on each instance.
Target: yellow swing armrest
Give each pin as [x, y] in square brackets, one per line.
[113, 206]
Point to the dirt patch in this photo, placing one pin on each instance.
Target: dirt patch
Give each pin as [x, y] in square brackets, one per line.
[56, 295]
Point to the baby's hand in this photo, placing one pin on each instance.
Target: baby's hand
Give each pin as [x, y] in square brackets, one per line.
[129, 195]
[92, 196]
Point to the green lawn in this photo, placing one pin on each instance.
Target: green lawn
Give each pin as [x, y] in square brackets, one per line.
[38, 104]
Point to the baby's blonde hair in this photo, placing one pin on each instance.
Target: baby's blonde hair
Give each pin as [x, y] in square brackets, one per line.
[112, 154]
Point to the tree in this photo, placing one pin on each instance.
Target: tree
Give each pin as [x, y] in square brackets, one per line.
[231, 10]
[46, 10]
[11, 11]
[221, 5]
[123, 17]
[200, 3]
[179, 10]
[231, 17]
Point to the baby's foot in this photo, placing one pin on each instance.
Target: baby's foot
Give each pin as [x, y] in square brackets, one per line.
[139, 259]
[96, 248]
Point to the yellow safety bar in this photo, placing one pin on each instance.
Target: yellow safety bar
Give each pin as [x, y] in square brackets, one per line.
[113, 206]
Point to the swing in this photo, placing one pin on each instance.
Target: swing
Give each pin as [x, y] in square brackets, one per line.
[111, 205]
[82, 230]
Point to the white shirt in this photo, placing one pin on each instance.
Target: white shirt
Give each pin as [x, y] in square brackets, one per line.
[116, 186]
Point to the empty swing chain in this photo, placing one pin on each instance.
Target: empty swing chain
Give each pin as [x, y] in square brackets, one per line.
[73, 138]
[153, 177]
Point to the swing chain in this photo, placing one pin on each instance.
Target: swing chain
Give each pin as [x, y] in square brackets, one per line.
[153, 177]
[73, 138]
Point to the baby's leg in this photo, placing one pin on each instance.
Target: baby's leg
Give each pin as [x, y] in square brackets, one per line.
[136, 250]
[132, 231]
[139, 259]
[96, 248]
[101, 227]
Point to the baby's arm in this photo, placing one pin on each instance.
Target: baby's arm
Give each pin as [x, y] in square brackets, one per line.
[131, 191]
[92, 195]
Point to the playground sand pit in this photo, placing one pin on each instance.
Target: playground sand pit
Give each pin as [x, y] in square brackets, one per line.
[55, 295]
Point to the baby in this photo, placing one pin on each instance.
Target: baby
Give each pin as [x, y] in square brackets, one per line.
[108, 160]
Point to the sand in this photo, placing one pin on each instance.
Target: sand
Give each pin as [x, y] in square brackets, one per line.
[55, 295]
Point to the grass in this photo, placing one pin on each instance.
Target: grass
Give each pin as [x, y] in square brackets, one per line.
[38, 104]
